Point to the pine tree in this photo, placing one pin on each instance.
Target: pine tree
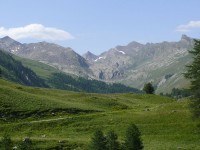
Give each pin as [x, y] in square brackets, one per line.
[98, 141]
[193, 73]
[133, 140]
[148, 88]
[112, 143]
[6, 142]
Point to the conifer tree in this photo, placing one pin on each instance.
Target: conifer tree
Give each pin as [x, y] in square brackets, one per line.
[148, 88]
[98, 141]
[133, 140]
[193, 73]
[112, 143]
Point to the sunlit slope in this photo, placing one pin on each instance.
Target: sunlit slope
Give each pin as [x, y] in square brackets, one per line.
[72, 117]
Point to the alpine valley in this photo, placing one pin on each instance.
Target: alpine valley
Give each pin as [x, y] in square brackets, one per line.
[51, 98]
[135, 64]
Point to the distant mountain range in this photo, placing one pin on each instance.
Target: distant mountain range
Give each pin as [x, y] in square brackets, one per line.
[33, 73]
[62, 58]
[133, 64]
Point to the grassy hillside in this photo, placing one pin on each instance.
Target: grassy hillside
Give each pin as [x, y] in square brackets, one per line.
[13, 70]
[41, 69]
[68, 119]
[177, 80]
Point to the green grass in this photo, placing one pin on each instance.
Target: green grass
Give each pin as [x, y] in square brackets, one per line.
[165, 124]
[41, 69]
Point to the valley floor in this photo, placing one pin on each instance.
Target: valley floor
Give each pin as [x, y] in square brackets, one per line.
[165, 124]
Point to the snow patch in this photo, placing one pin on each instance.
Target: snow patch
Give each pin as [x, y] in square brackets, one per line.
[98, 58]
[27, 78]
[122, 52]
[14, 50]
[162, 82]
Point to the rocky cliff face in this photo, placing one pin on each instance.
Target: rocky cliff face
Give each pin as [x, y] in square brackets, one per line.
[137, 63]
[90, 57]
[63, 58]
[133, 64]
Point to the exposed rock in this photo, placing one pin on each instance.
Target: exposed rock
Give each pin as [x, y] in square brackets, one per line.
[133, 64]
[101, 75]
[90, 56]
[63, 58]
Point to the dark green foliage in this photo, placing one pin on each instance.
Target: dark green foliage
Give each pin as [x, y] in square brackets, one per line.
[66, 82]
[112, 143]
[98, 141]
[178, 93]
[0, 72]
[6, 143]
[133, 140]
[26, 144]
[168, 76]
[193, 73]
[13, 70]
[148, 88]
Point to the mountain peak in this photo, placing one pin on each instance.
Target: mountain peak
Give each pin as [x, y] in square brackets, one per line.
[89, 53]
[185, 38]
[8, 40]
[89, 56]
[134, 44]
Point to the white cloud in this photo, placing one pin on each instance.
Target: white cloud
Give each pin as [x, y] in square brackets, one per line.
[188, 27]
[36, 31]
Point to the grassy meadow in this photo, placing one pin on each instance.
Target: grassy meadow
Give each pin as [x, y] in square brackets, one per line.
[56, 118]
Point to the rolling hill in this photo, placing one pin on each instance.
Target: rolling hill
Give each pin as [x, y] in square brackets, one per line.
[60, 119]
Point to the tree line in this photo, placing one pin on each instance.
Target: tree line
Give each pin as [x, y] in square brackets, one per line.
[110, 141]
[79, 84]
[178, 93]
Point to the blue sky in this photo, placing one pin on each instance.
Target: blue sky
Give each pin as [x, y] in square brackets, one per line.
[98, 25]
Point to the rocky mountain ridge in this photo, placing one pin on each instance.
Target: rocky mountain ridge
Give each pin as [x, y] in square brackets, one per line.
[133, 64]
[137, 63]
[60, 57]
